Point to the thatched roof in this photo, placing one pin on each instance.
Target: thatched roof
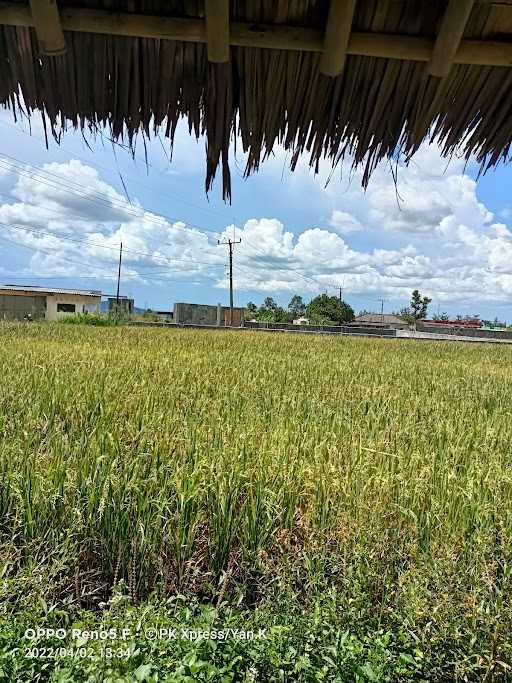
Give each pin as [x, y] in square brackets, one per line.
[360, 78]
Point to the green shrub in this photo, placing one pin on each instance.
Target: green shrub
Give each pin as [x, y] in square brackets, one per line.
[96, 319]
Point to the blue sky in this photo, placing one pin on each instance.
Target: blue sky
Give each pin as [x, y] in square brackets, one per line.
[63, 212]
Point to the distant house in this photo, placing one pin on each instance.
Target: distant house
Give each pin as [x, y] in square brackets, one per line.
[379, 320]
[18, 302]
[301, 321]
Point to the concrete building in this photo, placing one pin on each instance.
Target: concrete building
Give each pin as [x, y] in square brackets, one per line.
[45, 303]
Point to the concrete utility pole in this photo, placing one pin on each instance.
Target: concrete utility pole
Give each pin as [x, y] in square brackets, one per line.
[230, 244]
[119, 276]
[381, 309]
[341, 288]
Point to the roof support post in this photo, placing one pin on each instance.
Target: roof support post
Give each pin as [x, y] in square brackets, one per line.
[449, 37]
[48, 27]
[217, 30]
[337, 34]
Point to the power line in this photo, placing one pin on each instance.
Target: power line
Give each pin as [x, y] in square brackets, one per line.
[109, 275]
[49, 253]
[48, 179]
[131, 179]
[57, 181]
[117, 204]
[110, 203]
[38, 231]
[308, 279]
[141, 272]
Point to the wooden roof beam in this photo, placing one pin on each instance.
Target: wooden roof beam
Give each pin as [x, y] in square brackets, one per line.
[48, 27]
[337, 35]
[386, 45]
[449, 37]
[217, 30]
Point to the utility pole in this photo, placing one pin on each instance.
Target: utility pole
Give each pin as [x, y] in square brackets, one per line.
[230, 244]
[342, 287]
[381, 309]
[119, 276]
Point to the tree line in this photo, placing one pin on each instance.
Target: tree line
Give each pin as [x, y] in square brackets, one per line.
[322, 310]
[331, 310]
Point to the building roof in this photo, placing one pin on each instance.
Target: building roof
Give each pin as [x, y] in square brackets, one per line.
[35, 289]
[386, 319]
[356, 80]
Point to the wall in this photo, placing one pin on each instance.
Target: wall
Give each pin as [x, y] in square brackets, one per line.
[437, 336]
[204, 314]
[81, 303]
[197, 314]
[466, 332]
[16, 307]
[125, 305]
[238, 316]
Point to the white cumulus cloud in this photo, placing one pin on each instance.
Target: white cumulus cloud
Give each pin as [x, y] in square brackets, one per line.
[429, 231]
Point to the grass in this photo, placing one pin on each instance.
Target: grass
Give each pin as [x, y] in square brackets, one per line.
[366, 480]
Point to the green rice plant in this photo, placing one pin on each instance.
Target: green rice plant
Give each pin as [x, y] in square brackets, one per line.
[209, 461]
[259, 514]
[223, 504]
[183, 525]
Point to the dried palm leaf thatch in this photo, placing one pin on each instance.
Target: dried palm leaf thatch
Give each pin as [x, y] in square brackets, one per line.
[374, 109]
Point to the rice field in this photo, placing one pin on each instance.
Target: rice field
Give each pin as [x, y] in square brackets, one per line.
[238, 466]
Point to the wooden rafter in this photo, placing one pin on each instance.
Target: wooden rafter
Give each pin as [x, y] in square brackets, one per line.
[337, 34]
[449, 37]
[45, 16]
[217, 30]
[476, 52]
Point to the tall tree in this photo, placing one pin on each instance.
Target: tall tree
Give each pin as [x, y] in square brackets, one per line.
[251, 310]
[419, 305]
[269, 304]
[329, 310]
[296, 307]
[270, 312]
